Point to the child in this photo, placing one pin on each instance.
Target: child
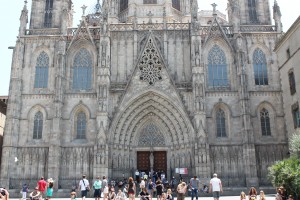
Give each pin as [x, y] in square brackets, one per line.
[262, 195]
[243, 196]
[169, 194]
[24, 191]
[73, 193]
[291, 197]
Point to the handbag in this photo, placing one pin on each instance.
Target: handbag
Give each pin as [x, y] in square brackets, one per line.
[87, 188]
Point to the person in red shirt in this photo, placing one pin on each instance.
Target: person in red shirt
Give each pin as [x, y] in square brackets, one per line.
[42, 185]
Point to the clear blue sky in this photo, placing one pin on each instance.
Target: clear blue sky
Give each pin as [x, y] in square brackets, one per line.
[10, 11]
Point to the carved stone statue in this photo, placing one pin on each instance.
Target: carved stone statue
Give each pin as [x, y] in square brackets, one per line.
[151, 158]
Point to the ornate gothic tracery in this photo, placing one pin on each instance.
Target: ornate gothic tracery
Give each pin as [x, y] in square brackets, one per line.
[150, 65]
[151, 135]
[41, 71]
[217, 67]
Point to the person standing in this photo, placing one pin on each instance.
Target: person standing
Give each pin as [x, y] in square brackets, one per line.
[131, 189]
[97, 187]
[83, 185]
[49, 192]
[42, 186]
[104, 188]
[195, 187]
[181, 190]
[215, 186]
[24, 191]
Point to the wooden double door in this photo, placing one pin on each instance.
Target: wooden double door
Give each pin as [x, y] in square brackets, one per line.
[159, 164]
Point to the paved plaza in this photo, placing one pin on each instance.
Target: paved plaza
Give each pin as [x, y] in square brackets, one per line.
[268, 197]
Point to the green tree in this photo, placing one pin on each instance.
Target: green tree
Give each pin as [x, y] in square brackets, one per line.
[286, 173]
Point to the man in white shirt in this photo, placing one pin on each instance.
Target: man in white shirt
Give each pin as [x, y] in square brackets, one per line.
[83, 185]
[215, 186]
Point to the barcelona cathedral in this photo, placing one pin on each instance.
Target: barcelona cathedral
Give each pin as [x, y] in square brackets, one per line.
[142, 79]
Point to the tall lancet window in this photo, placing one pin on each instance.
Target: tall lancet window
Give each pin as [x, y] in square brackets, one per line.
[150, 1]
[220, 123]
[265, 122]
[176, 4]
[81, 126]
[217, 68]
[252, 11]
[82, 70]
[38, 126]
[123, 5]
[41, 71]
[48, 14]
[260, 67]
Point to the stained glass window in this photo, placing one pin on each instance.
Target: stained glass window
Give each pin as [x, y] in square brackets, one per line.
[41, 71]
[265, 122]
[150, 1]
[217, 67]
[220, 122]
[81, 125]
[48, 14]
[150, 136]
[38, 126]
[176, 4]
[82, 70]
[123, 5]
[260, 67]
[252, 11]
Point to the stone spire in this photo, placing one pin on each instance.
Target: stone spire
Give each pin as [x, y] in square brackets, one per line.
[277, 17]
[23, 19]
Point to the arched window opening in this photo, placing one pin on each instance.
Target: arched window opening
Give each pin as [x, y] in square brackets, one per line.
[38, 126]
[265, 122]
[41, 71]
[82, 70]
[217, 68]
[292, 82]
[81, 126]
[252, 11]
[176, 4]
[123, 5]
[260, 67]
[221, 123]
[48, 14]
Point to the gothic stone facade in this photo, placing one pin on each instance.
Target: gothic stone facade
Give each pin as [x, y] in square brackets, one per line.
[138, 76]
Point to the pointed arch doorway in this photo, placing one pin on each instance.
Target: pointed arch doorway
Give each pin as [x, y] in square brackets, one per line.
[151, 152]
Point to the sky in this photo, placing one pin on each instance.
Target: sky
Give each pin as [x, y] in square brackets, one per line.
[10, 12]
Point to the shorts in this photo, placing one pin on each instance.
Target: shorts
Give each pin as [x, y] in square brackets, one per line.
[97, 193]
[216, 194]
[83, 193]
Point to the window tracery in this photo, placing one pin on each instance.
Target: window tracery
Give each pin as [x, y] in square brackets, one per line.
[82, 70]
[220, 122]
[81, 126]
[252, 11]
[41, 71]
[48, 14]
[150, 1]
[150, 136]
[176, 4]
[265, 122]
[123, 5]
[150, 65]
[260, 67]
[38, 126]
[217, 67]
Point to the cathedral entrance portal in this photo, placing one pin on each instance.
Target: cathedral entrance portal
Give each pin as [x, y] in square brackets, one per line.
[159, 161]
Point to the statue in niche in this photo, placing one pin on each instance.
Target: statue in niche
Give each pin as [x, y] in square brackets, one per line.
[197, 59]
[151, 158]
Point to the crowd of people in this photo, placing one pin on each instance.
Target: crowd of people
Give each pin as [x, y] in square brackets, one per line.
[143, 187]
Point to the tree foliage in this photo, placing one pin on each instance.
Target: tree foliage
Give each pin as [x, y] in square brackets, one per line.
[287, 172]
[295, 143]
